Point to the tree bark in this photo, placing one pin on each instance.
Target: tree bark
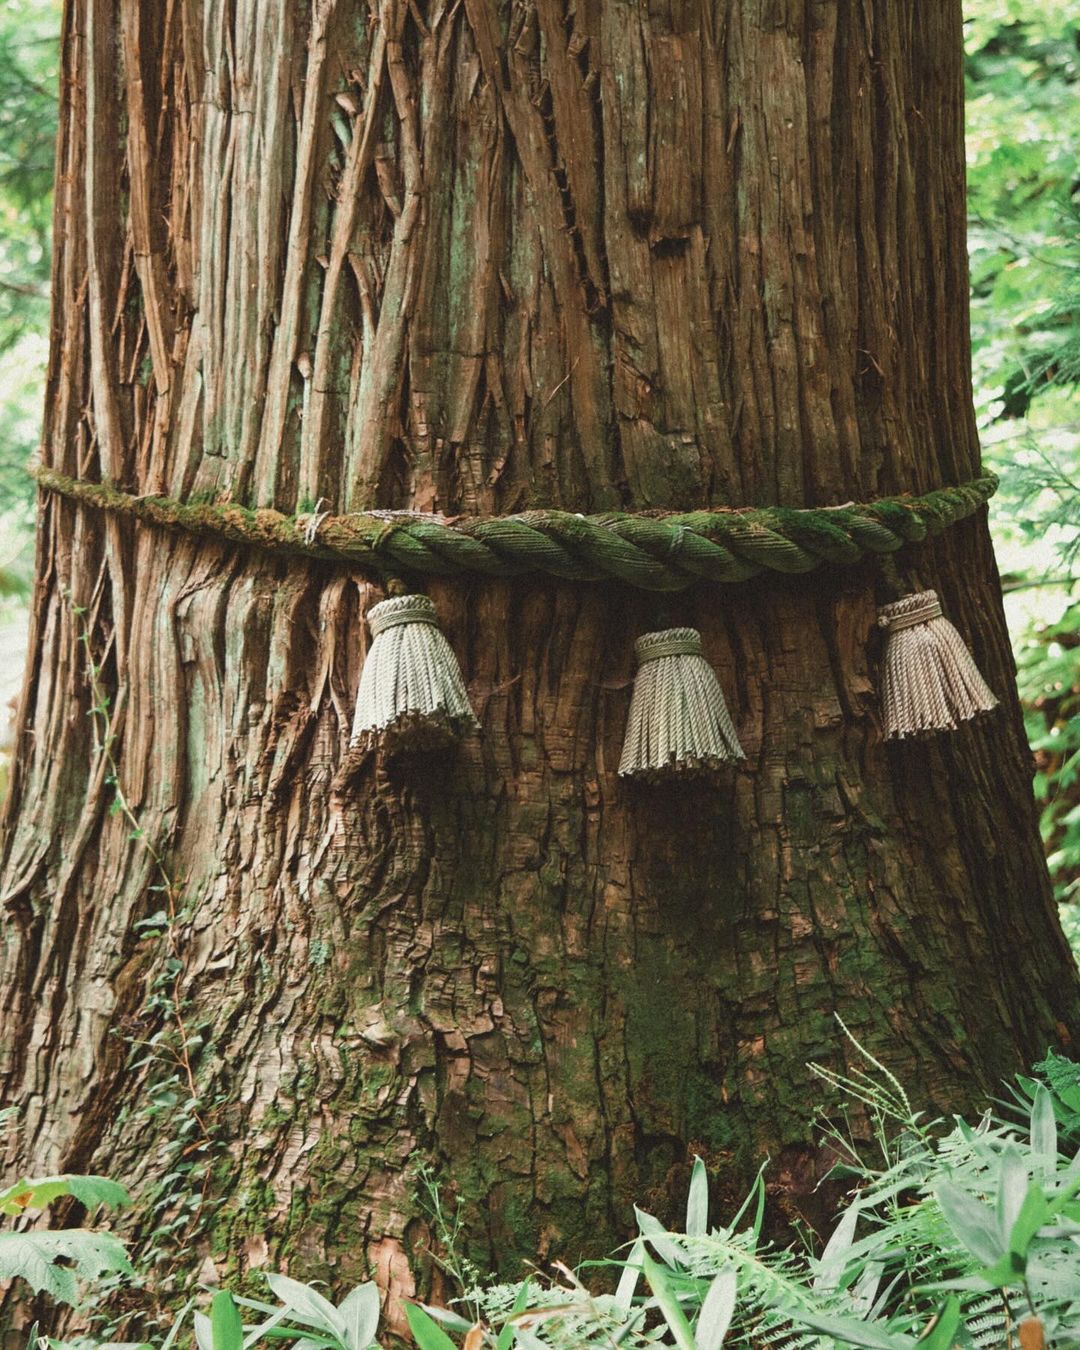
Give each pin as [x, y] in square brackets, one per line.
[474, 257]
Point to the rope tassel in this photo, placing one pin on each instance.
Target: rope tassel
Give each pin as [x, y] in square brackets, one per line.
[679, 722]
[411, 694]
[930, 681]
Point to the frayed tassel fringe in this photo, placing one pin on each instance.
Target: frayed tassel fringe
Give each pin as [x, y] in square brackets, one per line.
[411, 694]
[929, 681]
[679, 722]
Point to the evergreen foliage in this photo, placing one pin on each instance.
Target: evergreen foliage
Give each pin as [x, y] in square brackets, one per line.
[1023, 76]
[28, 111]
[952, 1235]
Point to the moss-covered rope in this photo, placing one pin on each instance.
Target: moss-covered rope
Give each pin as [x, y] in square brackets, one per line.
[655, 552]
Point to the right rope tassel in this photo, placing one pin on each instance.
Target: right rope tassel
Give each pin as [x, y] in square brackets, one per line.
[679, 722]
[930, 681]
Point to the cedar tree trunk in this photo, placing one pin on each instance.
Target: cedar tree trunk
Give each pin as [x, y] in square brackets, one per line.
[472, 256]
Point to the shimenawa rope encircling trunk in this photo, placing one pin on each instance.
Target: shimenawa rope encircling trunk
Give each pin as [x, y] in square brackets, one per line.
[412, 695]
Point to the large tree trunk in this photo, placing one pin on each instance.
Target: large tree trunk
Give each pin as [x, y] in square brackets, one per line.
[472, 257]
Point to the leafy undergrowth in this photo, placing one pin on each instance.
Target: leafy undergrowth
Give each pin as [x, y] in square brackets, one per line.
[955, 1235]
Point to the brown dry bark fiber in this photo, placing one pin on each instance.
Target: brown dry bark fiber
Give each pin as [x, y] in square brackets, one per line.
[473, 257]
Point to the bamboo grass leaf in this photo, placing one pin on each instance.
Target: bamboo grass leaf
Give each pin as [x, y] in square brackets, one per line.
[697, 1204]
[668, 1303]
[717, 1311]
[427, 1333]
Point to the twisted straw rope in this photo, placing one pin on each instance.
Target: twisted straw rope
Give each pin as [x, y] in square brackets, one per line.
[655, 552]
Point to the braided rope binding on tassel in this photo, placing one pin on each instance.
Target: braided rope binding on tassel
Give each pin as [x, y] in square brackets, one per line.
[929, 681]
[411, 694]
[679, 722]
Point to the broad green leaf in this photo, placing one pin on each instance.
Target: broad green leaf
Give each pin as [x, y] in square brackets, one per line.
[94, 1191]
[1061, 1201]
[697, 1203]
[226, 1328]
[1009, 1269]
[39, 1192]
[668, 1303]
[717, 1311]
[36, 1257]
[427, 1333]
[1043, 1123]
[360, 1313]
[972, 1222]
[307, 1305]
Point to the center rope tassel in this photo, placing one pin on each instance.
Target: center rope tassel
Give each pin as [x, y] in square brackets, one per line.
[411, 694]
[679, 723]
[930, 681]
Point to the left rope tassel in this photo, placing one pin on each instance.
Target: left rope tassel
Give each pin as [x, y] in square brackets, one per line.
[411, 695]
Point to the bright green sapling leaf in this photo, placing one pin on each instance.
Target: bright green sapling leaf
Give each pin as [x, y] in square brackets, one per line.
[226, 1328]
[1034, 1212]
[427, 1333]
[1010, 1268]
[1012, 1188]
[40, 1192]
